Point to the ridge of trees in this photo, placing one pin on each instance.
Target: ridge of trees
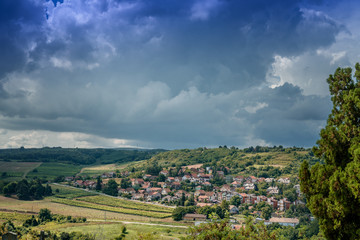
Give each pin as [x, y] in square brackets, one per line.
[76, 155]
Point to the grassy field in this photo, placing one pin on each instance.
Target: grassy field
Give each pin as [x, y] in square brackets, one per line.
[16, 217]
[114, 202]
[100, 169]
[51, 170]
[70, 192]
[82, 204]
[111, 230]
[16, 170]
[67, 210]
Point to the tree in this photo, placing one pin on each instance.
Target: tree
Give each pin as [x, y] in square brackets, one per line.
[98, 184]
[111, 188]
[333, 189]
[178, 213]
[235, 200]
[125, 183]
[44, 215]
[22, 190]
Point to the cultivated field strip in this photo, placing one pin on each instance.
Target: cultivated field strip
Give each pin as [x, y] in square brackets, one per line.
[113, 202]
[78, 203]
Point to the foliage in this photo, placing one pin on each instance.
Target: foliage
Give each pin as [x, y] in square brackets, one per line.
[333, 189]
[27, 191]
[76, 155]
[179, 212]
[45, 215]
[123, 233]
[111, 188]
[222, 230]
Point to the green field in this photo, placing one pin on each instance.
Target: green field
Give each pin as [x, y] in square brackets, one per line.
[70, 192]
[110, 231]
[51, 170]
[78, 203]
[115, 202]
[13, 216]
[13, 171]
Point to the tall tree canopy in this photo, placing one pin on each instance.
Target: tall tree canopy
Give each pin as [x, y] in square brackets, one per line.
[333, 189]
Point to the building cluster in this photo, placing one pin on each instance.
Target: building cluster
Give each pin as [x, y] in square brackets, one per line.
[204, 193]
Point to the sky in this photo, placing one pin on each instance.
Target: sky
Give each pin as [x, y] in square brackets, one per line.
[170, 74]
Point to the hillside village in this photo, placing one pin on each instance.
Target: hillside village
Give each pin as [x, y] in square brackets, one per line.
[195, 185]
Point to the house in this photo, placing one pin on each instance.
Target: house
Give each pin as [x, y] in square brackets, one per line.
[225, 188]
[162, 184]
[164, 172]
[238, 178]
[273, 202]
[137, 181]
[154, 189]
[186, 177]
[203, 198]
[236, 184]
[284, 180]
[272, 190]
[176, 185]
[78, 183]
[200, 204]
[233, 209]
[153, 196]
[108, 175]
[253, 179]
[269, 180]
[165, 191]
[212, 196]
[284, 204]
[199, 193]
[170, 179]
[69, 179]
[297, 188]
[249, 186]
[283, 221]
[146, 185]
[138, 196]
[194, 217]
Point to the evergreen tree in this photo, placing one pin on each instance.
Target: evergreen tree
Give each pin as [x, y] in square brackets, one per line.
[333, 189]
[98, 184]
[111, 188]
[22, 190]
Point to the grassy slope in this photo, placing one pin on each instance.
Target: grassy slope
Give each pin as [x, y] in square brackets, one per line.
[239, 161]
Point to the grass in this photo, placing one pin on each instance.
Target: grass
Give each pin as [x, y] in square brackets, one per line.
[69, 192]
[67, 210]
[115, 202]
[16, 170]
[78, 203]
[52, 170]
[112, 230]
[16, 217]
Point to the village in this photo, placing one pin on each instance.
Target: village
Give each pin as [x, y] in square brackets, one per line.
[193, 185]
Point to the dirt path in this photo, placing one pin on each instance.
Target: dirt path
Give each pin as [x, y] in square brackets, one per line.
[26, 173]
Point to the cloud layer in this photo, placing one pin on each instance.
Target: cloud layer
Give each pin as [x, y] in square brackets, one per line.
[168, 74]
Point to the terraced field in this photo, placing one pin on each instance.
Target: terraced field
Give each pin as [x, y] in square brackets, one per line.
[114, 202]
[70, 192]
[78, 203]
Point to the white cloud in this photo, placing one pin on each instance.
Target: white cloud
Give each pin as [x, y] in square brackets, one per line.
[254, 109]
[202, 9]
[41, 138]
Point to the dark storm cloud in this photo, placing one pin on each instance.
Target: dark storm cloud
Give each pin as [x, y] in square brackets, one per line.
[165, 73]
